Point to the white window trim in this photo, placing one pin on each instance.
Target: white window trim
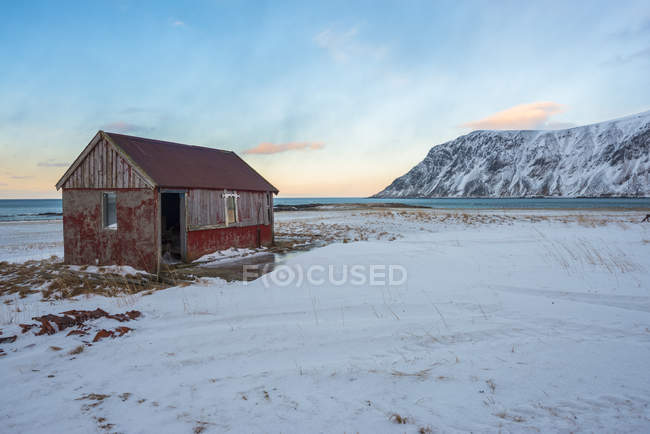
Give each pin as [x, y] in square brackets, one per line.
[225, 207]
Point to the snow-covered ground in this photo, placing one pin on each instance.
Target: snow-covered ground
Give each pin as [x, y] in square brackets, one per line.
[514, 321]
[21, 241]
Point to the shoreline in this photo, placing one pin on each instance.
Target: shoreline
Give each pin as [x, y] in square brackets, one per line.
[342, 206]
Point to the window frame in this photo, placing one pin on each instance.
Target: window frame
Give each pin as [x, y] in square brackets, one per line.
[235, 198]
[105, 214]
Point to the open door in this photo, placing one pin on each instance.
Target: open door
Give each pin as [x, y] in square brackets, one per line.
[172, 227]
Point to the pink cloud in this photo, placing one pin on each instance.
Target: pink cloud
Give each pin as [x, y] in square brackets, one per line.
[525, 116]
[273, 148]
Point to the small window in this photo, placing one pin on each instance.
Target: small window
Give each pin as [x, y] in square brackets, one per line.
[109, 205]
[231, 208]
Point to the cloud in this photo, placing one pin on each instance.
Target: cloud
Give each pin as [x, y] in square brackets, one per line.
[338, 44]
[178, 23]
[629, 31]
[525, 116]
[344, 45]
[272, 148]
[22, 177]
[123, 127]
[51, 163]
[643, 54]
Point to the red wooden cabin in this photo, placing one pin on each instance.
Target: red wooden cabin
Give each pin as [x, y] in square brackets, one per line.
[135, 201]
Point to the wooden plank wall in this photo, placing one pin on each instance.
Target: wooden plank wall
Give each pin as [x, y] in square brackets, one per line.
[207, 208]
[104, 167]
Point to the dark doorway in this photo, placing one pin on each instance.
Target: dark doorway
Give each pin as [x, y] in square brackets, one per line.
[170, 228]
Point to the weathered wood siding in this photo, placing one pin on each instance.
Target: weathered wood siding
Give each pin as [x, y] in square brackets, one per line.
[207, 208]
[104, 167]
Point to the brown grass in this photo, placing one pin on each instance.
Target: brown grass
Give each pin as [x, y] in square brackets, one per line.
[397, 418]
[419, 374]
[200, 427]
[293, 234]
[514, 418]
[93, 397]
[56, 281]
[77, 350]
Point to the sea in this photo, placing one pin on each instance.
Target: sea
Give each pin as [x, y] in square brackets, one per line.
[50, 209]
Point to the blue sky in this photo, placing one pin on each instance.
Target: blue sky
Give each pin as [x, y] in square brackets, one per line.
[324, 99]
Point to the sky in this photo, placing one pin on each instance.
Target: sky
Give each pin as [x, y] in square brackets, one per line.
[322, 98]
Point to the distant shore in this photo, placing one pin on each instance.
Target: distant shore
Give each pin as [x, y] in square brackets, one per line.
[51, 209]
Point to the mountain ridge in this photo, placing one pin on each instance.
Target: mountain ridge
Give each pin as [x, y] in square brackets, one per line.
[605, 159]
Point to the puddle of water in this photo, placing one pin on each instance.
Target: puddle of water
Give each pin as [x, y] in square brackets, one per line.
[234, 270]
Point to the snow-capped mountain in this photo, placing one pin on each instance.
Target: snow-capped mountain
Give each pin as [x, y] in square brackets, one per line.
[605, 159]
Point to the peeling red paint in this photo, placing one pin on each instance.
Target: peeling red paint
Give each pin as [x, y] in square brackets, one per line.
[207, 241]
[134, 242]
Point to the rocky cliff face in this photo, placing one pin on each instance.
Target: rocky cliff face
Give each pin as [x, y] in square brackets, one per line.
[605, 159]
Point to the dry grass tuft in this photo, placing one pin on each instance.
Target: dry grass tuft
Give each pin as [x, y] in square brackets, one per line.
[396, 418]
[491, 385]
[93, 397]
[514, 418]
[200, 427]
[77, 350]
[424, 373]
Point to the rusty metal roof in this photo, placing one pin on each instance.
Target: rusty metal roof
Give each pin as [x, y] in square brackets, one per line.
[174, 165]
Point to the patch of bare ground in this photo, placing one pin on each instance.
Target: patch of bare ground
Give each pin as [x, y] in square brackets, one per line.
[55, 280]
[488, 217]
[50, 324]
[294, 234]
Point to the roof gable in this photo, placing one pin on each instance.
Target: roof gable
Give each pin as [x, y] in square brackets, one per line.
[103, 165]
